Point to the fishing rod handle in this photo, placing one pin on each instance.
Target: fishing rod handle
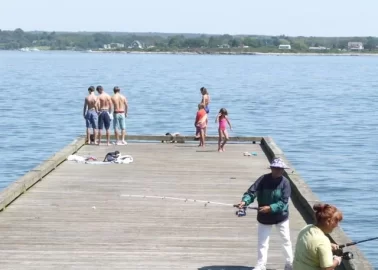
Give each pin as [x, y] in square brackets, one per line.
[249, 207]
[347, 245]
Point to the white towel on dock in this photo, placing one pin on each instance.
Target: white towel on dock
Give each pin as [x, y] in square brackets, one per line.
[76, 158]
[125, 159]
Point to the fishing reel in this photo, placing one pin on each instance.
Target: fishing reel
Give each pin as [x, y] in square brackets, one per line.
[345, 255]
[241, 212]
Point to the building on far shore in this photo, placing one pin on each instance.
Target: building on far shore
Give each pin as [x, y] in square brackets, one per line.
[319, 48]
[284, 47]
[136, 44]
[355, 46]
[224, 46]
[113, 46]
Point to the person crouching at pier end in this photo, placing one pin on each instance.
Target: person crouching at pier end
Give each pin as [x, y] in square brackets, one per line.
[314, 250]
[272, 192]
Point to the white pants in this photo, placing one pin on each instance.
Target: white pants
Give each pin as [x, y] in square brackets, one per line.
[263, 241]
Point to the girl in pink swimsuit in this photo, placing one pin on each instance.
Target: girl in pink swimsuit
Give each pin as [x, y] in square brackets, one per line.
[222, 118]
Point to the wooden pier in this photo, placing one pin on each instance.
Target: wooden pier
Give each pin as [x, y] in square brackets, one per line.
[68, 215]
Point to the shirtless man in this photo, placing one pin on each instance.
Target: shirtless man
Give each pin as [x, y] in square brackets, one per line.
[90, 114]
[120, 114]
[104, 107]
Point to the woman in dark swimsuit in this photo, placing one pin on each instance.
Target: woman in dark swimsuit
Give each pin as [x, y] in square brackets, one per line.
[205, 100]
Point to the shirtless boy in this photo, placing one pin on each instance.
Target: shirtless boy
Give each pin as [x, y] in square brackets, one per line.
[120, 114]
[104, 106]
[90, 114]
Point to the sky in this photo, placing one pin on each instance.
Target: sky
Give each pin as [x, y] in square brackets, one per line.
[267, 17]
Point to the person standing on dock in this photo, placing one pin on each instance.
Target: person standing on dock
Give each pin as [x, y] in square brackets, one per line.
[120, 113]
[206, 101]
[272, 192]
[313, 250]
[222, 119]
[104, 106]
[200, 123]
[90, 114]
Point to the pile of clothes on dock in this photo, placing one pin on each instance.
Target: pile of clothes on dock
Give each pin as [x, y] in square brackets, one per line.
[110, 158]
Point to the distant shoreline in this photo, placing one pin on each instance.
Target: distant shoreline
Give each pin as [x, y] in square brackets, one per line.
[239, 53]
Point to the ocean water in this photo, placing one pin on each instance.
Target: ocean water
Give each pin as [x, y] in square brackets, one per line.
[321, 110]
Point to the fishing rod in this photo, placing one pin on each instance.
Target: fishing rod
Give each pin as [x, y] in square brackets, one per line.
[357, 242]
[349, 255]
[241, 212]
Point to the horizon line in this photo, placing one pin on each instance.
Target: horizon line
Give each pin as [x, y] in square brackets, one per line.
[184, 33]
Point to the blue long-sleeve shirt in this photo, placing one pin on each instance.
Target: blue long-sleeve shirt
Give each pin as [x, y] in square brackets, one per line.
[270, 192]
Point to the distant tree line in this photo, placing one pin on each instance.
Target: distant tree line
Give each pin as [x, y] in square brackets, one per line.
[10, 40]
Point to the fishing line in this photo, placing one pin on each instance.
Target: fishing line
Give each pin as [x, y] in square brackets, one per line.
[185, 200]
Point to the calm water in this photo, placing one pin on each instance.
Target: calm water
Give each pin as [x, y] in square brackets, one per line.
[322, 111]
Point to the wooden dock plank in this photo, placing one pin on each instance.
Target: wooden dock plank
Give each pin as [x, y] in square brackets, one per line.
[78, 217]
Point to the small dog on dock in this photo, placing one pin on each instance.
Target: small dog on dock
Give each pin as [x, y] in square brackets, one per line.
[173, 137]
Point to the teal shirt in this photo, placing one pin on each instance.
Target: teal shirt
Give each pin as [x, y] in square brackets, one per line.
[270, 192]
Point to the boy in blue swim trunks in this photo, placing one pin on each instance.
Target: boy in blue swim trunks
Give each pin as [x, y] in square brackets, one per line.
[104, 105]
[90, 114]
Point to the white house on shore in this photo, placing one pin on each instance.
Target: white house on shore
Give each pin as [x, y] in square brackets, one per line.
[113, 46]
[136, 44]
[319, 48]
[355, 46]
[284, 47]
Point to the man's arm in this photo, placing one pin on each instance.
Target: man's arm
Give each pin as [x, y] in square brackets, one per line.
[110, 104]
[97, 104]
[279, 206]
[85, 107]
[250, 195]
[126, 107]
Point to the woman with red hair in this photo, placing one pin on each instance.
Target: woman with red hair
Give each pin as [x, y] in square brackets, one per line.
[313, 250]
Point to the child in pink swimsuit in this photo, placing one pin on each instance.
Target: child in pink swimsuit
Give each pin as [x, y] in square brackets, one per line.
[222, 118]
